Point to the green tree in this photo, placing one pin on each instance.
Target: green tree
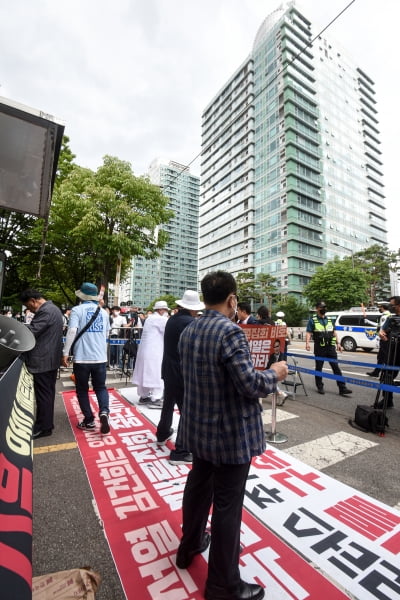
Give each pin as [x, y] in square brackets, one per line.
[260, 288]
[266, 289]
[376, 262]
[15, 229]
[295, 311]
[97, 220]
[338, 284]
[65, 161]
[21, 237]
[246, 285]
[168, 298]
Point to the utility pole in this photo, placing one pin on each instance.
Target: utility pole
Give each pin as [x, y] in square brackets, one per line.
[117, 281]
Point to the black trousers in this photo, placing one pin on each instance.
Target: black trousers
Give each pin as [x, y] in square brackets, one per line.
[173, 394]
[382, 352]
[322, 352]
[44, 385]
[222, 486]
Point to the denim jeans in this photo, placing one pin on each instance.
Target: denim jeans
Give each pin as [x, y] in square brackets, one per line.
[97, 372]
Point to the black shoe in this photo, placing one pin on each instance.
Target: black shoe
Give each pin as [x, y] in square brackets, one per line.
[104, 423]
[89, 426]
[345, 392]
[184, 559]
[320, 390]
[246, 591]
[41, 433]
[145, 400]
[373, 373]
[180, 457]
[165, 438]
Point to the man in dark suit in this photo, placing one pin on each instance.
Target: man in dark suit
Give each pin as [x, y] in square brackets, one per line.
[188, 308]
[244, 314]
[43, 361]
[221, 425]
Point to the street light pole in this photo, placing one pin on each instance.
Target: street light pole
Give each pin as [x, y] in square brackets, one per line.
[117, 280]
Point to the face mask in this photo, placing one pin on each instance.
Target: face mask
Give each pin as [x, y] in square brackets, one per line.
[322, 311]
[392, 309]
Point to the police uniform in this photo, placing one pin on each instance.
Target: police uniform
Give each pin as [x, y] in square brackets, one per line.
[323, 331]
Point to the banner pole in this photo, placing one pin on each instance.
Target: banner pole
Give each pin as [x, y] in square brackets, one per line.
[274, 437]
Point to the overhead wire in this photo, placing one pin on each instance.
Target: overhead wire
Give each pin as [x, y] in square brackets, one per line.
[263, 89]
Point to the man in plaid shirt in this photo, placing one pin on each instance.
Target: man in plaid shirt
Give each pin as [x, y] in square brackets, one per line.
[222, 427]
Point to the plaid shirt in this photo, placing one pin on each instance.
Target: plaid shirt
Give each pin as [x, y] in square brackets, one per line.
[221, 417]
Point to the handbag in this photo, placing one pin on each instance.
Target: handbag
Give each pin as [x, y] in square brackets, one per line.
[88, 324]
[370, 419]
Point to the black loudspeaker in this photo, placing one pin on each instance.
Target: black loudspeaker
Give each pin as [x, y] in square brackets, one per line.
[15, 338]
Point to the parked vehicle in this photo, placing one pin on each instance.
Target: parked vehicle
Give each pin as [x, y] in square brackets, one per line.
[353, 332]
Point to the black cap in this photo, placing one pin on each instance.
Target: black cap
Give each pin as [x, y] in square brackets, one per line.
[320, 304]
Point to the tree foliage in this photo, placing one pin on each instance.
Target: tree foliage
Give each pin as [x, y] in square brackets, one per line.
[65, 162]
[96, 219]
[260, 288]
[363, 277]
[338, 284]
[295, 311]
[15, 229]
[246, 286]
[168, 298]
[376, 262]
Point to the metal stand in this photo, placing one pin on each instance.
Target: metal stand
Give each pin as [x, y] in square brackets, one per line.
[128, 361]
[274, 437]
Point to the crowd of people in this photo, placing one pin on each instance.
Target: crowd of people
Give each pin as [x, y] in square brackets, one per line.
[197, 358]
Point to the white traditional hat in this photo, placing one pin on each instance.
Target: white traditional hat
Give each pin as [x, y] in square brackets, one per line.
[161, 304]
[191, 301]
[280, 314]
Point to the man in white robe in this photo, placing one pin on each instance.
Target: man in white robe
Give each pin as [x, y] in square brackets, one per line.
[147, 371]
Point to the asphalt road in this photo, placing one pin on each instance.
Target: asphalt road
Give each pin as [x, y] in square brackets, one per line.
[68, 534]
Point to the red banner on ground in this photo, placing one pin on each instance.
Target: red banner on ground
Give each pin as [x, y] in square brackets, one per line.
[139, 495]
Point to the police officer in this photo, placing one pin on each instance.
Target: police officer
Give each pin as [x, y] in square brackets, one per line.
[322, 329]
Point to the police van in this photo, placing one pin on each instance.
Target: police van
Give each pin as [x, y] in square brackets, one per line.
[353, 332]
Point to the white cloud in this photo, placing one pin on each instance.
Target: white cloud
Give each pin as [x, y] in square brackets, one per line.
[131, 78]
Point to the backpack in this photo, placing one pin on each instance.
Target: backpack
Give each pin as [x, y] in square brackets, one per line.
[370, 419]
[130, 348]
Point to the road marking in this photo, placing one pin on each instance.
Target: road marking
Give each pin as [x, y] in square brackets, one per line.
[330, 449]
[281, 415]
[54, 448]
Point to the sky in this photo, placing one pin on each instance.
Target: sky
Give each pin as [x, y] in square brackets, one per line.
[131, 78]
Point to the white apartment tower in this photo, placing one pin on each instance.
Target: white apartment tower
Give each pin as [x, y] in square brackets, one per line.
[175, 270]
[291, 160]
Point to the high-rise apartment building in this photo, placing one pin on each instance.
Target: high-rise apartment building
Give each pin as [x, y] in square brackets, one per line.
[291, 165]
[176, 268]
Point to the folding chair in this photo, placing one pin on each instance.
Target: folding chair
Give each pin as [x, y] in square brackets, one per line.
[294, 378]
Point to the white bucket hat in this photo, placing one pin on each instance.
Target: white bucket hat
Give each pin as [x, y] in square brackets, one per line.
[161, 304]
[191, 301]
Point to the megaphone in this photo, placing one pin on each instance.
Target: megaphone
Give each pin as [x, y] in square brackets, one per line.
[15, 338]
